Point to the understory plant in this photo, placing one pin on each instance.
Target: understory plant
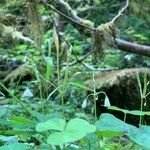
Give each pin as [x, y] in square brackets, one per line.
[63, 133]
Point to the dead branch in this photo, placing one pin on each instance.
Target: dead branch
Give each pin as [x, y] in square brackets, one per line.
[97, 69]
[133, 47]
[18, 73]
[64, 9]
[120, 13]
[77, 60]
[9, 31]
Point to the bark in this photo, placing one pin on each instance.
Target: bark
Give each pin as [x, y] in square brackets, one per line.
[66, 9]
[133, 47]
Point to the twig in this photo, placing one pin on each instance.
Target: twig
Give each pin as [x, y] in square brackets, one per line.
[87, 65]
[120, 13]
[77, 60]
[97, 69]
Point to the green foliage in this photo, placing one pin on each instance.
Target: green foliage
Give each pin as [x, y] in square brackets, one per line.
[14, 146]
[109, 123]
[53, 124]
[44, 121]
[74, 130]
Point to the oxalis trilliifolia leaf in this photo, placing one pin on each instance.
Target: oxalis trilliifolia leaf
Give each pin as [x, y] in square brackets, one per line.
[110, 124]
[65, 132]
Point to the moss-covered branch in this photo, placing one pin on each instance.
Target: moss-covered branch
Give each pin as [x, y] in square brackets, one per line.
[64, 9]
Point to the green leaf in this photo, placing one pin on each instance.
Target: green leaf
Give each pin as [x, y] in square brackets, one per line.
[145, 129]
[18, 132]
[118, 109]
[18, 146]
[140, 36]
[140, 137]
[136, 112]
[75, 130]
[21, 122]
[108, 122]
[147, 113]
[4, 122]
[81, 125]
[22, 47]
[108, 133]
[64, 137]
[133, 112]
[79, 85]
[44, 117]
[52, 124]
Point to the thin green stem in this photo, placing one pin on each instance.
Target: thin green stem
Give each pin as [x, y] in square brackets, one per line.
[62, 102]
[132, 146]
[37, 74]
[41, 97]
[56, 40]
[98, 144]
[142, 92]
[94, 97]
[89, 145]
[141, 109]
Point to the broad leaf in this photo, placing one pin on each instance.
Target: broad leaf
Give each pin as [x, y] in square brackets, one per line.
[81, 125]
[52, 124]
[140, 137]
[59, 138]
[145, 129]
[21, 122]
[108, 122]
[75, 130]
[17, 132]
[18, 146]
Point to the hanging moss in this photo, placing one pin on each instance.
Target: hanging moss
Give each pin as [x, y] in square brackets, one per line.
[103, 38]
[107, 32]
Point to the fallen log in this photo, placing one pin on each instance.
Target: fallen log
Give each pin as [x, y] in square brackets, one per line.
[122, 89]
